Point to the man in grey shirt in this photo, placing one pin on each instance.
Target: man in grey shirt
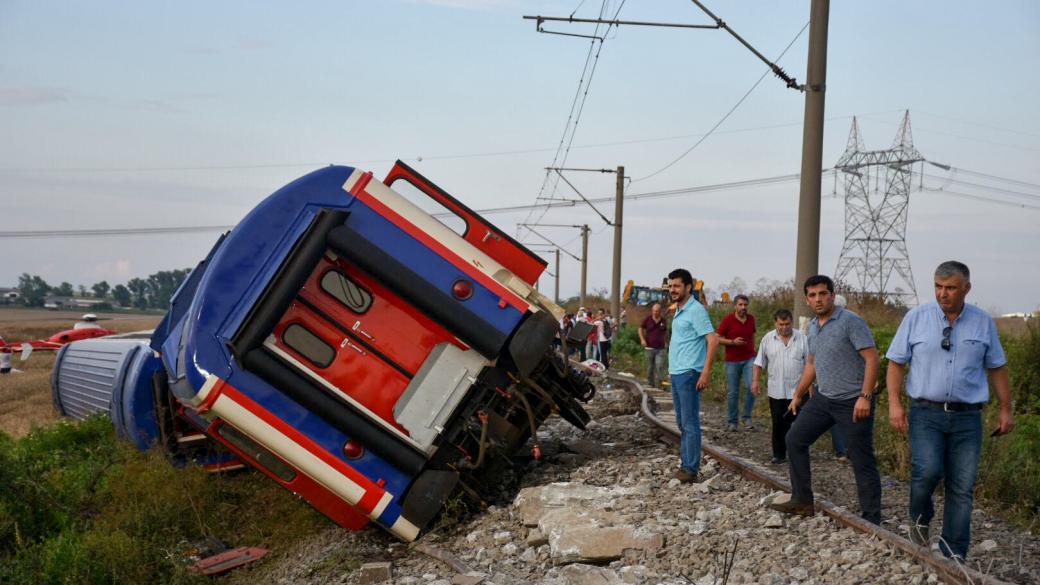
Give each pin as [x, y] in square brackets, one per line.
[844, 361]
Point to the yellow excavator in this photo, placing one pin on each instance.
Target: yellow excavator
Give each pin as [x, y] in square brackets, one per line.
[645, 296]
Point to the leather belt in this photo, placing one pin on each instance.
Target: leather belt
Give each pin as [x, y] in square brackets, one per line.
[950, 406]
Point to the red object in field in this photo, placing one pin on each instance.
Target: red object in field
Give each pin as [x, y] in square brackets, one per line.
[227, 560]
[54, 342]
[70, 335]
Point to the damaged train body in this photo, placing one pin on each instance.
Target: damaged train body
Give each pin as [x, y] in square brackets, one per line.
[363, 354]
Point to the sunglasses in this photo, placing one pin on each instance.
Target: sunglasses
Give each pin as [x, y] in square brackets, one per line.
[946, 343]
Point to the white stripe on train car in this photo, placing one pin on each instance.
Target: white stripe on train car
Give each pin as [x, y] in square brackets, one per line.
[381, 505]
[467, 252]
[204, 391]
[270, 344]
[352, 180]
[308, 463]
[404, 529]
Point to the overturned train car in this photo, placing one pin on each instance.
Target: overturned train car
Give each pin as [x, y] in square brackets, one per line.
[363, 354]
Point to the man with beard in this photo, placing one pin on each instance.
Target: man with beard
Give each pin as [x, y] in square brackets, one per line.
[690, 354]
[737, 334]
[845, 362]
[951, 347]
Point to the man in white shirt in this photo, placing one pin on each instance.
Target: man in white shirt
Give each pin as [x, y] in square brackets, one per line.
[782, 352]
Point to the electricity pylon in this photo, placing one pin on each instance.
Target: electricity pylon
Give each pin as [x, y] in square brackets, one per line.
[874, 258]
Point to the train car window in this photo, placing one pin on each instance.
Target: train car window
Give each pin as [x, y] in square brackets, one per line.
[308, 345]
[251, 448]
[346, 291]
[431, 206]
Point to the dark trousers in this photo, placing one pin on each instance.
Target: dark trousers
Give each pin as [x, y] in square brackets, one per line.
[604, 353]
[782, 420]
[815, 418]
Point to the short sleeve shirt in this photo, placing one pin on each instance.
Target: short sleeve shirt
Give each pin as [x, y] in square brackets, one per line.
[732, 328]
[654, 333]
[954, 375]
[835, 349]
[783, 363]
[689, 348]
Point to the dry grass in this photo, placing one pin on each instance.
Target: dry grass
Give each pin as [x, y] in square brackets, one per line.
[25, 397]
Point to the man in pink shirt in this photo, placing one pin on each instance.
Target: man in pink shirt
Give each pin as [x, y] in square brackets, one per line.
[737, 334]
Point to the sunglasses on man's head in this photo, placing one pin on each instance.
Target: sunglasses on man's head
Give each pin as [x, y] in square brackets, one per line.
[946, 343]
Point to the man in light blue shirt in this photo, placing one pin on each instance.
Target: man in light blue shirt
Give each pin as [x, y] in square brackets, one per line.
[950, 346]
[691, 352]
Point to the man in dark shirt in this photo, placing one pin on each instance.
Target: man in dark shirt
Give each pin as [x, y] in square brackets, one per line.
[844, 360]
[652, 333]
[737, 334]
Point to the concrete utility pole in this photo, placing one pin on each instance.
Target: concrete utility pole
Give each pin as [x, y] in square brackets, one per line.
[807, 262]
[615, 277]
[556, 298]
[584, 263]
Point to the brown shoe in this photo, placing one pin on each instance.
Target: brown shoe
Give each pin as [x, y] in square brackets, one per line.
[685, 476]
[794, 507]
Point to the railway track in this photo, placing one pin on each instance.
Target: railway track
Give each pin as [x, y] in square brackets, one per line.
[656, 408]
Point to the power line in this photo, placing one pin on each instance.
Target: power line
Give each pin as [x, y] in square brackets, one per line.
[488, 211]
[660, 194]
[981, 198]
[557, 161]
[113, 232]
[997, 178]
[726, 116]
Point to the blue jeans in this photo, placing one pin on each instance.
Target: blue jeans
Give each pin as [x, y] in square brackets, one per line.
[686, 399]
[735, 371]
[945, 446]
[815, 417]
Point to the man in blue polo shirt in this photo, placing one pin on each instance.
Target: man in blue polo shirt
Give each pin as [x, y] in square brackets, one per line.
[691, 351]
[950, 347]
[844, 361]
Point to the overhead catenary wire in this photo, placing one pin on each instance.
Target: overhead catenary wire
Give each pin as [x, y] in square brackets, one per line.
[563, 152]
[725, 116]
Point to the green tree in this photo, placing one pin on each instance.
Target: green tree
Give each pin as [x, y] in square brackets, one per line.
[33, 289]
[139, 290]
[82, 290]
[101, 289]
[121, 295]
[65, 289]
[162, 285]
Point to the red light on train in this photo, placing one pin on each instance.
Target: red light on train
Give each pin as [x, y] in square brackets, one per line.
[462, 289]
[353, 449]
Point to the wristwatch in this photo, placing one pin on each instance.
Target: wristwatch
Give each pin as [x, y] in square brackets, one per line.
[866, 395]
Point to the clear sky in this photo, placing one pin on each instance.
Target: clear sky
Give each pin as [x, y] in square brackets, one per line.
[151, 114]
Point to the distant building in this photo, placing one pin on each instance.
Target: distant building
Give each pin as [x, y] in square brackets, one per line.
[9, 295]
[1018, 315]
[59, 302]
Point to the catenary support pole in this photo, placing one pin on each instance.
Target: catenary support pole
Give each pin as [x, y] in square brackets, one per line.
[615, 277]
[807, 262]
[556, 297]
[584, 264]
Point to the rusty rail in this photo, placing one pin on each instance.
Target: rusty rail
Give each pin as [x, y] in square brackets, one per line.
[948, 570]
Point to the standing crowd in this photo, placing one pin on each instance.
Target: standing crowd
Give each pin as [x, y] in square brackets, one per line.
[826, 379]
